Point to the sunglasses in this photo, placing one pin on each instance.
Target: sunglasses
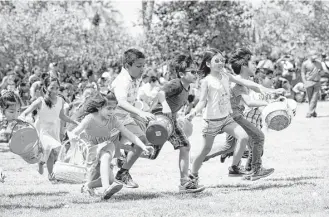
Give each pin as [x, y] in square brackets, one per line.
[192, 71]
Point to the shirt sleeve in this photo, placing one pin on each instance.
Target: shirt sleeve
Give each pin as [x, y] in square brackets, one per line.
[116, 123]
[120, 88]
[172, 88]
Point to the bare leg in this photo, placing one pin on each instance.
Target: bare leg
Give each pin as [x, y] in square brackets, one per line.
[184, 159]
[207, 143]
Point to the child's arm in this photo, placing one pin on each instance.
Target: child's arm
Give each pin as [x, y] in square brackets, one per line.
[65, 118]
[134, 139]
[161, 97]
[81, 127]
[36, 104]
[202, 100]
[251, 102]
[252, 85]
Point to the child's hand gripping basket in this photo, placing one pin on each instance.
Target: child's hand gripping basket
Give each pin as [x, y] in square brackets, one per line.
[277, 115]
[24, 141]
[71, 166]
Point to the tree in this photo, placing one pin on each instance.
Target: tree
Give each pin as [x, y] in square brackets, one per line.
[190, 26]
[39, 32]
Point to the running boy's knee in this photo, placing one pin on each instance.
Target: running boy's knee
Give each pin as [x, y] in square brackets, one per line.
[186, 148]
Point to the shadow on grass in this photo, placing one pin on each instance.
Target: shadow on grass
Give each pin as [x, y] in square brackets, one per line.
[251, 187]
[128, 196]
[28, 194]
[294, 179]
[277, 185]
[40, 207]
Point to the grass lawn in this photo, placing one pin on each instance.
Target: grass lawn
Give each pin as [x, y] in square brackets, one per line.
[299, 186]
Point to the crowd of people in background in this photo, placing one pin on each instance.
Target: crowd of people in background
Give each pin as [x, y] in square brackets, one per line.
[285, 72]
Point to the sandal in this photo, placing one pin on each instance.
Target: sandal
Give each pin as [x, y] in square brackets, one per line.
[52, 178]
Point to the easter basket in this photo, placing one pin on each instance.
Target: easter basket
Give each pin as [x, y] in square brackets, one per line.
[71, 166]
[278, 115]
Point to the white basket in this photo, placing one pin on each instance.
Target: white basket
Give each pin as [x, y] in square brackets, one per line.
[70, 173]
[71, 166]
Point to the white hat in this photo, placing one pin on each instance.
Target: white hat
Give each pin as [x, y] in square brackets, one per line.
[106, 75]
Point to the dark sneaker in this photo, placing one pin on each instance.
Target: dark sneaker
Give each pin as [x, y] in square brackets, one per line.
[234, 171]
[224, 156]
[314, 114]
[110, 191]
[258, 174]
[126, 180]
[191, 186]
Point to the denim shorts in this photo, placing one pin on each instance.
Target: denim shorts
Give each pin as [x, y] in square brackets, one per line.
[214, 127]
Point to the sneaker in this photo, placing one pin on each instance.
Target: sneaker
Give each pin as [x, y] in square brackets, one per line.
[86, 189]
[110, 191]
[191, 186]
[126, 180]
[40, 167]
[234, 171]
[224, 156]
[258, 174]
[314, 114]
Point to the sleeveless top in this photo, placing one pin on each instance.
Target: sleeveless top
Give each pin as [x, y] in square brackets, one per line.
[218, 97]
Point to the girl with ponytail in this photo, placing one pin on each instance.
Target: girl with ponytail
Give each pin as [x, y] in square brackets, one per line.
[50, 112]
[215, 97]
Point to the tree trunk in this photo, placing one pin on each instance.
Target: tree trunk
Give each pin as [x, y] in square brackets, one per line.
[147, 13]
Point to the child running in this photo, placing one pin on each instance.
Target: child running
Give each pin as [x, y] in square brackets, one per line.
[173, 97]
[10, 105]
[215, 95]
[50, 112]
[99, 125]
[243, 65]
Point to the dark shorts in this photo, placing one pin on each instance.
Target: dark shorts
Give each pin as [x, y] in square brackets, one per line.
[178, 138]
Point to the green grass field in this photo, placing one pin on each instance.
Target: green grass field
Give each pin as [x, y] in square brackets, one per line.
[299, 186]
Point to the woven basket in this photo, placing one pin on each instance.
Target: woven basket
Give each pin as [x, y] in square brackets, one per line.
[71, 166]
[278, 120]
[276, 115]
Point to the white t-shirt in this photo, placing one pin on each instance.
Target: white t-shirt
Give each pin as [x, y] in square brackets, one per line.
[218, 97]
